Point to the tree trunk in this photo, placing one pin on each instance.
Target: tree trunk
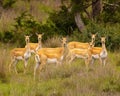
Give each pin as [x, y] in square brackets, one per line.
[79, 22]
[96, 8]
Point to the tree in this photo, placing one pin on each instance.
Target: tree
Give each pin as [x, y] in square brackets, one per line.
[7, 3]
[111, 11]
[77, 8]
[96, 8]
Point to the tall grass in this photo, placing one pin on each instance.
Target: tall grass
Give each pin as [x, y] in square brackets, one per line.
[53, 42]
[63, 80]
[37, 8]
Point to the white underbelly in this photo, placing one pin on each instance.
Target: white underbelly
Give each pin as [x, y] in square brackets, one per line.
[54, 60]
[27, 55]
[32, 51]
[95, 56]
[103, 54]
[80, 56]
[19, 58]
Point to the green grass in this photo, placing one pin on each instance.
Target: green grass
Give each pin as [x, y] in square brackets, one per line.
[63, 80]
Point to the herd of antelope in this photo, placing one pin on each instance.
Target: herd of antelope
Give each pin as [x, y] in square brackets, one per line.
[67, 51]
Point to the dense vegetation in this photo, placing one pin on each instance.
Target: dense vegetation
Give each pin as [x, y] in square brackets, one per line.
[64, 80]
[62, 21]
[56, 18]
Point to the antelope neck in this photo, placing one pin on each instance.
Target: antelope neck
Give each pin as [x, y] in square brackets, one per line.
[103, 45]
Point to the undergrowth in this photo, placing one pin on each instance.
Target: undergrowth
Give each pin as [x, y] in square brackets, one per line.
[62, 80]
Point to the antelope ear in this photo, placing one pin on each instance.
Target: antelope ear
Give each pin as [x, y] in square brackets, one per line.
[30, 35]
[96, 33]
[26, 35]
[61, 38]
[105, 37]
[36, 34]
[89, 43]
[66, 38]
[42, 34]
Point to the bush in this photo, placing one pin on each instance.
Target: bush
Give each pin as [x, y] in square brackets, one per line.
[61, 23]
[63, 20]
[8, 3]
[25, 25]
[111, 32]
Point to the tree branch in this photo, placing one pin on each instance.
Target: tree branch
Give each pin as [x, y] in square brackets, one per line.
[110, 4]
[88, 14]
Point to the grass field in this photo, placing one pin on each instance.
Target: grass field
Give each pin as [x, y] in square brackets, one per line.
[63, 80]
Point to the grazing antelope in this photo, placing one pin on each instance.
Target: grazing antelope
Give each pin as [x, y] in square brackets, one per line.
[50, 55]
[80, 53]
[100, 52]
[81, 45]
[20, 54]
[36, 46]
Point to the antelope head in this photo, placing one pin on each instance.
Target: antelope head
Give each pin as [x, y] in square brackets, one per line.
[93, 37]
[39, 36]
[27, 39]
[64, 41]
[103, 39]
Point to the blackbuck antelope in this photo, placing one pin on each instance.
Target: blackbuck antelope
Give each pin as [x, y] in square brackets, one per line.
[20, 54]
[80, 53]
[81, 45]
[36, 46]
[100, 52]
[50, 55]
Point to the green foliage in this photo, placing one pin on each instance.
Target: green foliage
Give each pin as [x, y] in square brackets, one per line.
[78, 5]
[63, 21]
[25, 25]
[111, 32]
[111, 13]
[62, 80]
[8, 3]
[56, 24]
[7, 37]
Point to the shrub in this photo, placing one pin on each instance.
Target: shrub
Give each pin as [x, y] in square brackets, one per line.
[63, 20]
[53, 42]
[25, 25]
[8, 3]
